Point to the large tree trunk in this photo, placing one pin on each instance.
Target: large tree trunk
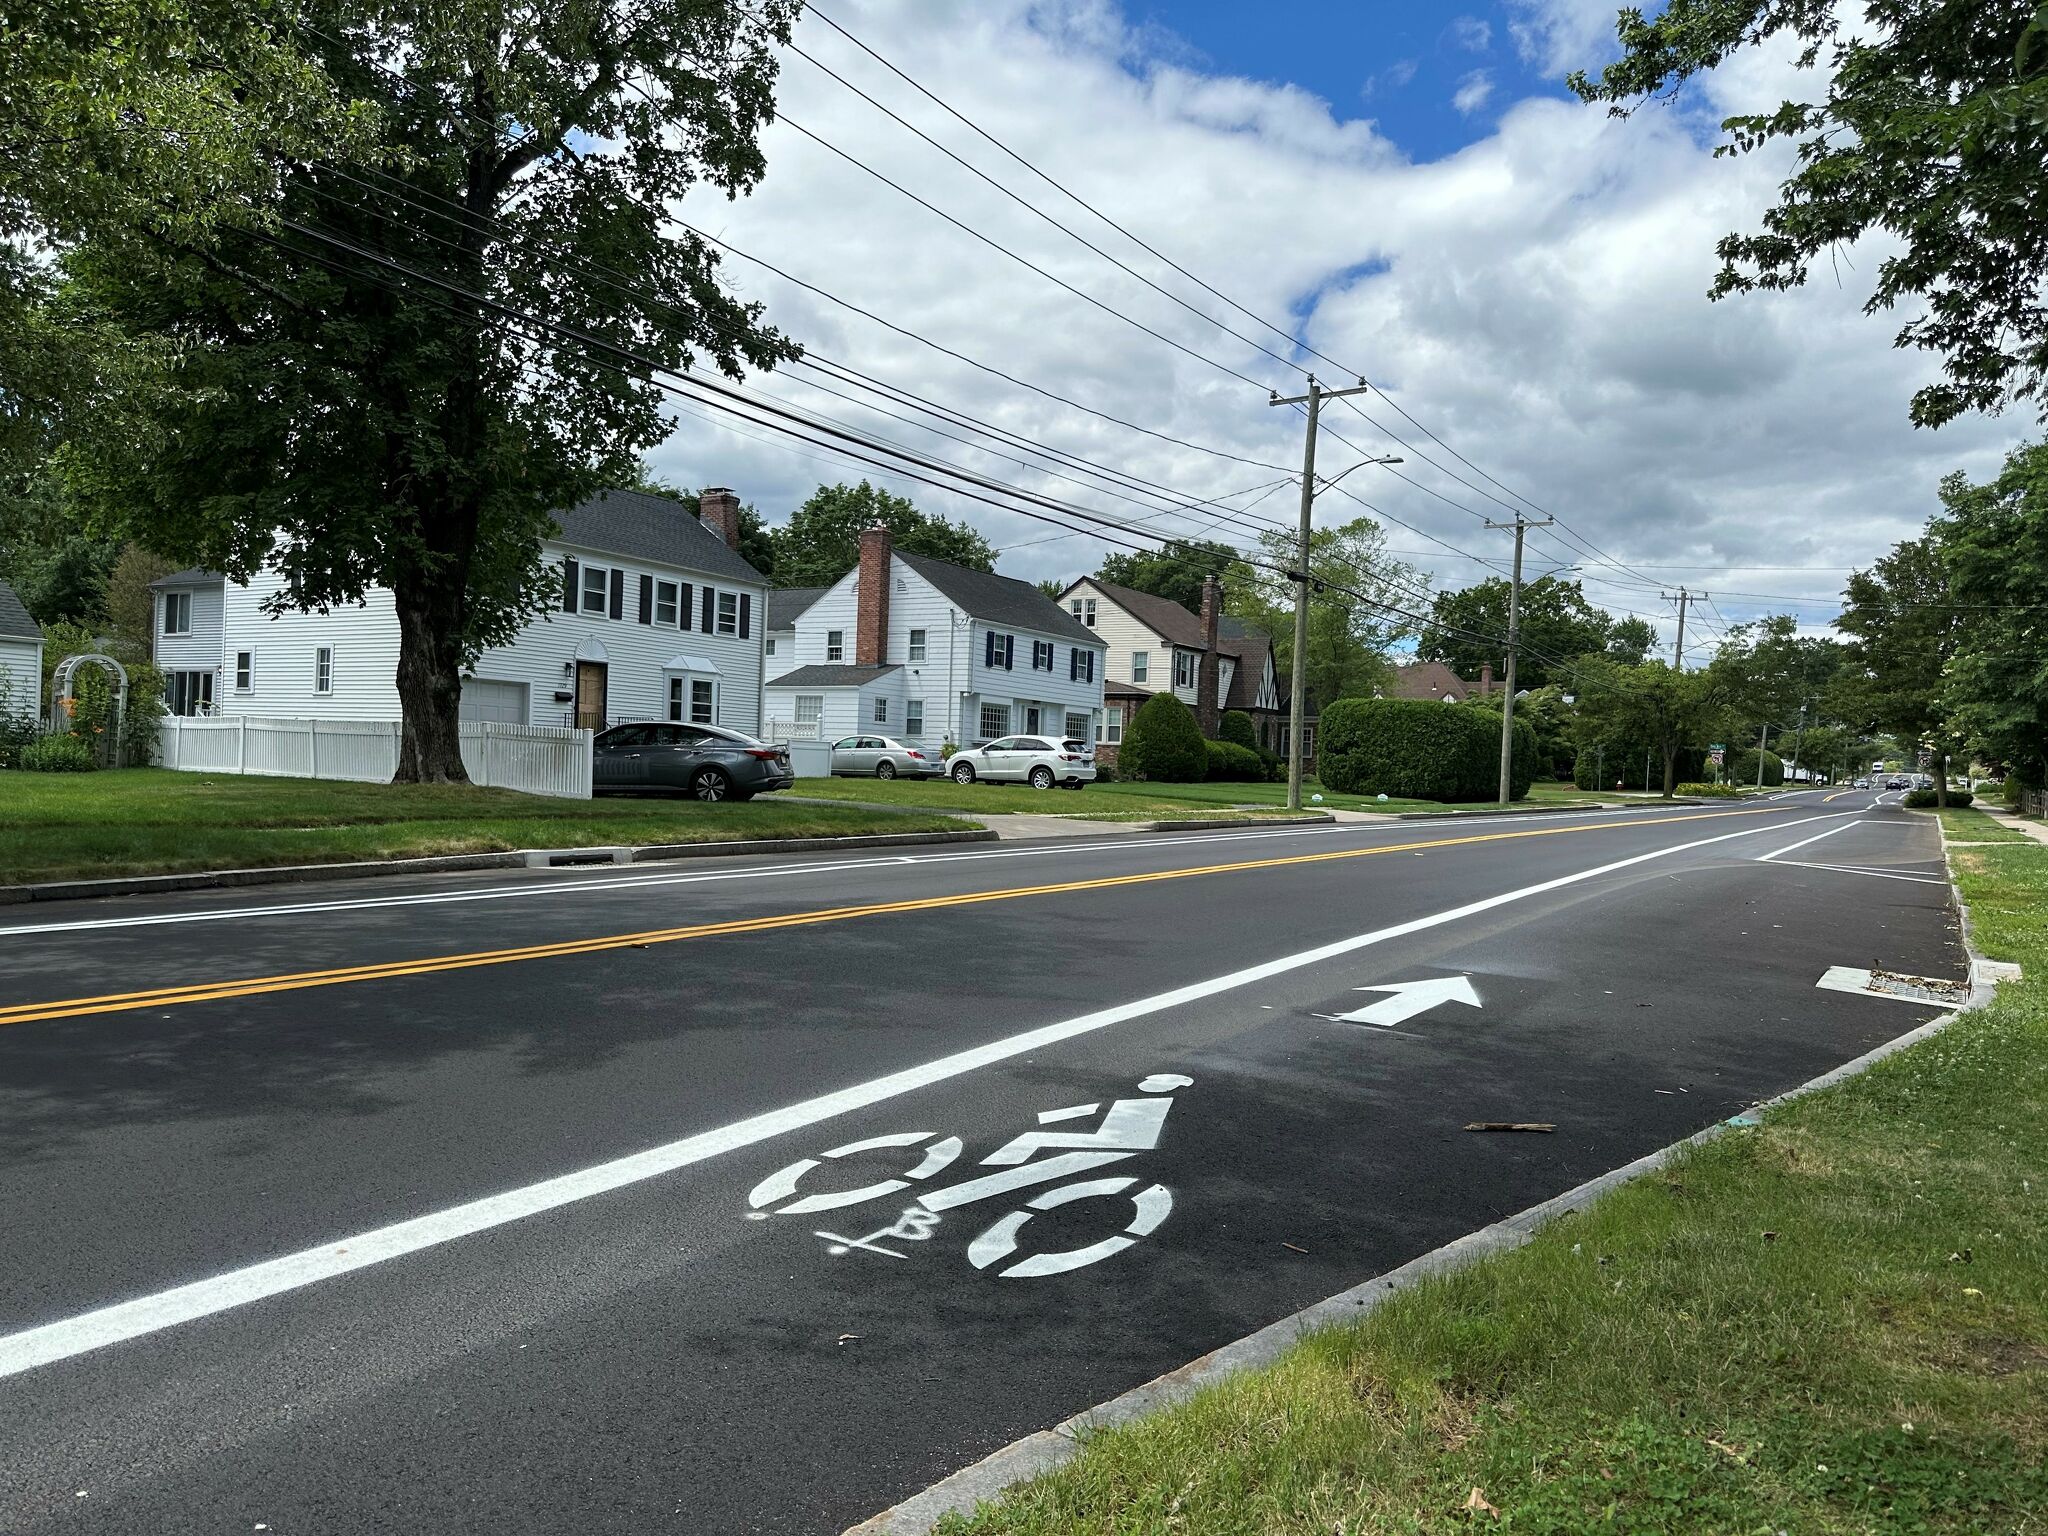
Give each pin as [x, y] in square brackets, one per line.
[429, 688]
[1670, 771]
[1941, 780]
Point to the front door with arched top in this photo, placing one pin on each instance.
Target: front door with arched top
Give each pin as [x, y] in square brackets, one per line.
[592, 686]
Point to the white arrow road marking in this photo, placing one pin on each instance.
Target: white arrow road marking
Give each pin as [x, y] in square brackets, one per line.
[1410, 998]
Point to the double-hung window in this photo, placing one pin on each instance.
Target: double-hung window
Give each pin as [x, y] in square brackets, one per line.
[999, 652]
[1083, 608]
[917, 645]
[913, 719]
[1183, 669]
[1081, 668]
[835, 645]
[703, 700]
[665, 603]
[597, 588]
[881, 709]
[323, 669]
[1110, 729]
[177, 613]
[1141, 666]
[1041, 655]
[245, 671]
[728, 613]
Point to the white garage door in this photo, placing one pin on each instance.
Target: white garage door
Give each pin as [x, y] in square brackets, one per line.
[483, 699]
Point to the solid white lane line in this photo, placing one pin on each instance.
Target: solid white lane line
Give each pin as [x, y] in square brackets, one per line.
[577, 883]
[1765, 858]
[114, 1324]
[1851, 869]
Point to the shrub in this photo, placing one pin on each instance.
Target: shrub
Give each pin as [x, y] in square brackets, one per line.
[58, 754]
[1236, 764]
[1105, 773]
[1275, 766]
[1523, 763]
[141, 730]
[1162, 743]
[2014, 793]
[17, 727]
[1713, 791]
[1409, 749]
[1742, 769]
[1923, 799]
[948, 750]
[1236, 726]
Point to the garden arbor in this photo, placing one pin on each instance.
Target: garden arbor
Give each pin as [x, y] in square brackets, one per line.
[62, 696]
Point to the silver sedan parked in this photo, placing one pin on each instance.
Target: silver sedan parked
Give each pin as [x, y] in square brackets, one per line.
[706, 761]
[882, 757]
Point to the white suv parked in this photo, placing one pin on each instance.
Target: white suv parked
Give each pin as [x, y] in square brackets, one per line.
[1038, 761]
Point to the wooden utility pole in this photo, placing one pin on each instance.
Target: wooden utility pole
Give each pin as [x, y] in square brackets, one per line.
[1684, 600]
[1507, 704]
[1296, 697]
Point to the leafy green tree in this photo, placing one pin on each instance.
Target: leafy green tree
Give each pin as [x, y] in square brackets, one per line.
[1667, 710]
[1929, 122]
[344, 401]
[48, 554]
[1163, 744]
[1907, 629]
[1357, 598]
[821, 541]
[1994, 547]
[1468, 629]
[1178, 571]
[1630, 641]
[1236, 726]
[1552, 719]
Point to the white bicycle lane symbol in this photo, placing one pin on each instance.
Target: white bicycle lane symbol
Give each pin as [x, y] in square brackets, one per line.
[1131, 1126]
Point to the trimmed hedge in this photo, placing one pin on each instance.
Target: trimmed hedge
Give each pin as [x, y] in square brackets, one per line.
[1924, 799]
[1236, 764]
[1163, 744]
[1236, 727]
[1709, 791]
[1411, 749]
[1742, 769]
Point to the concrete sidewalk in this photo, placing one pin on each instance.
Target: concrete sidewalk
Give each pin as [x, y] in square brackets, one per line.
[2017, 822]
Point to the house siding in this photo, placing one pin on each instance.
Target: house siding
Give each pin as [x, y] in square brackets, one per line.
[199, 651]
[21, 674]
[541, 657]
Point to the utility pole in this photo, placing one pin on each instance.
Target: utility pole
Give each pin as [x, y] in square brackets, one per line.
[1507, 703]
[1684, 599]
[1762, 744]
[1297, 697]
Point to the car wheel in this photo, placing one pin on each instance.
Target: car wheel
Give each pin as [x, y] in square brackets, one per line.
[963, 773]
[712, 784]
[885, 769]
[1041, 777]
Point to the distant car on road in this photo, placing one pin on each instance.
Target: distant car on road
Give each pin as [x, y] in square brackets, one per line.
[1898, 781]
[882, 757]
[1038, 761]
[706, 761]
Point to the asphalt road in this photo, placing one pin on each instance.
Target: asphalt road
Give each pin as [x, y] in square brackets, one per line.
[466, 1204]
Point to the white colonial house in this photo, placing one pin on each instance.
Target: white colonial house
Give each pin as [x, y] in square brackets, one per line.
[21, 656]
[785, 606]
[930, 652]
[1210, 661]
[655, 616]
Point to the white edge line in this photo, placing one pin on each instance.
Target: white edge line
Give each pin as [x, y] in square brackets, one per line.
[86, 1331]
[1765, 858]
[1850, 869]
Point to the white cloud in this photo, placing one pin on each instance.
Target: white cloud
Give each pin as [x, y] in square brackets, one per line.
[1558, 36]
[1473, 91]
[1537, 299]
[1393, 77]
[1471, 32]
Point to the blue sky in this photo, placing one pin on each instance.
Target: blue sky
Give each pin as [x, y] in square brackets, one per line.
[1401, 63]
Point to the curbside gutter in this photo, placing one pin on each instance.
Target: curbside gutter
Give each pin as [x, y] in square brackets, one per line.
[1048, 1449]
[521, 858]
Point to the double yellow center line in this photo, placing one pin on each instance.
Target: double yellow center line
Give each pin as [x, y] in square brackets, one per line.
[216, 991]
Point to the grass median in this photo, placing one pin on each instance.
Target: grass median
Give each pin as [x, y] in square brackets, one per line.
[1835, 1321]
[1134, 800]
[134, 821]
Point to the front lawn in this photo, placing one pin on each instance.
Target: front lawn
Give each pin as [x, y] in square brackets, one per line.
[1970, 825]
[152, 821]
[1135, 802]
[1833, 1322]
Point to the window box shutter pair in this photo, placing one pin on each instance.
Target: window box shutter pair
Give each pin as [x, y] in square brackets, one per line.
[1001, 651]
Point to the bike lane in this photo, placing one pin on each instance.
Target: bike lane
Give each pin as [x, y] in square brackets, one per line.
[678, 1350]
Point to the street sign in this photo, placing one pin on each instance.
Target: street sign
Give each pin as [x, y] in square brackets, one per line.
[1410, 998]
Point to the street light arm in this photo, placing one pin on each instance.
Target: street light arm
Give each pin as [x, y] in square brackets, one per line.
[1329, 483]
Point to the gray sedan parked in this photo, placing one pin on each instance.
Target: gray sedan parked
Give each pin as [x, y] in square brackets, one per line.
[706, 761]
[882, 757]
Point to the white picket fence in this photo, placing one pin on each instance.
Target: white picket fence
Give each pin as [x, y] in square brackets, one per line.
[536, 759]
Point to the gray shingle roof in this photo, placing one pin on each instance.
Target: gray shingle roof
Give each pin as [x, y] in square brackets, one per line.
[786, 604]
[1000, 599]
[654, 528]
[14, 619]
[195, 576]
[831, 675]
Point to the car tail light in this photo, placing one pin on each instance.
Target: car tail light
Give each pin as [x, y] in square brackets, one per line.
[918, 755]
[766, 754]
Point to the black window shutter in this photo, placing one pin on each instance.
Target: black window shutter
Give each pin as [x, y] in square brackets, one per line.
[1074, 664]
[618, 593]
[710, 601]
[646, 599]
[569, 580]
[683, 606]
[746, 615]
[989, 650]
[1009, 653]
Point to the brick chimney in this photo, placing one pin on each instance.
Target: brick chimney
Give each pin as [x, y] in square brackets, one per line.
[719, 510]
[871, 599]
[1207, 713]
[1485, 678]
